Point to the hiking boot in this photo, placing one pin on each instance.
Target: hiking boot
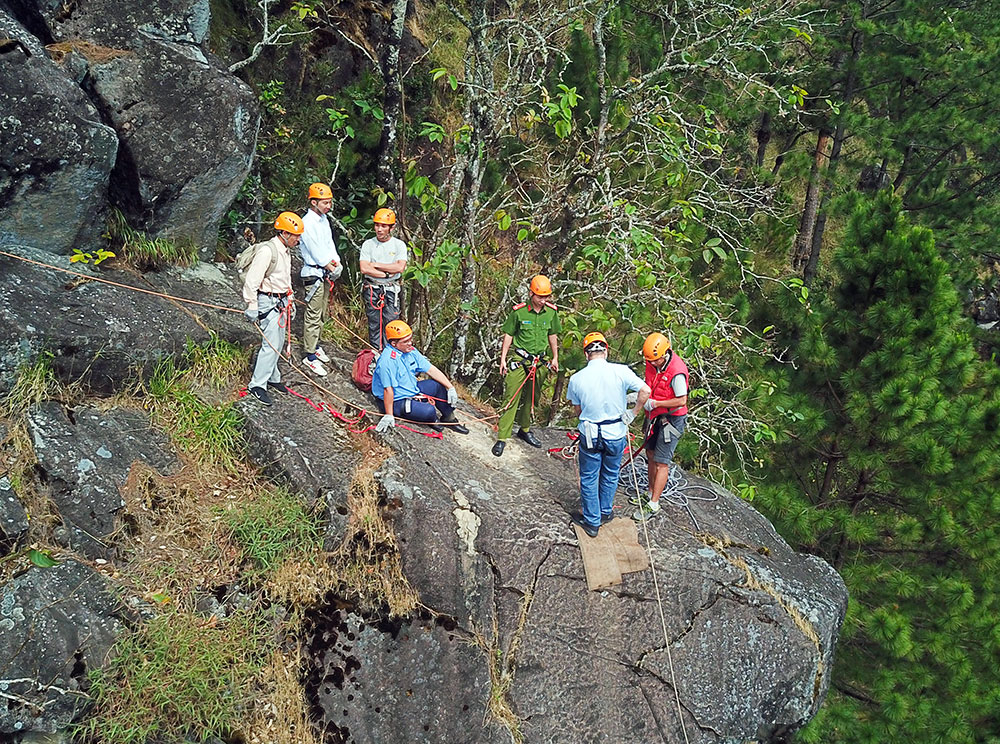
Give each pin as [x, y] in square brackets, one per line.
[530, 438]
[279, 386]
[590, 529]
[498, 447]
[647, 511]
[605, 518]
[315, 366]
[321, 355]
[260, 394]
[454, 425]
[639, 500]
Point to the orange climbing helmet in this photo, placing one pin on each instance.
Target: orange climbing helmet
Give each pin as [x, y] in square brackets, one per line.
[656, 347]
[289, 222]
[594, 341]
[320, 191]
[397, 329]
[384, 216]
[541, 286]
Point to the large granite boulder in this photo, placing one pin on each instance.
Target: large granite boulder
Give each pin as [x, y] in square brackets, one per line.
[747, 639]
[105, 335]
[187, 128]
[86, 456]
[55, 153]
[56, 624]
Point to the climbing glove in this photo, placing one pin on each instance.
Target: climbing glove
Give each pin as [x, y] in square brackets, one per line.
[251, 314]
[628, 417]
[385, 423]
[648, 405]
[452, 396]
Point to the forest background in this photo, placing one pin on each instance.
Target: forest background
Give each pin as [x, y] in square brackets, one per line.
[803, 196]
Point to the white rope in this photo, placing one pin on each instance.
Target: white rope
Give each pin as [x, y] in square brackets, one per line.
[659, 604]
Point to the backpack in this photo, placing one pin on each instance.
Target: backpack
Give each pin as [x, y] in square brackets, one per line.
[246, 257]
[361, 373]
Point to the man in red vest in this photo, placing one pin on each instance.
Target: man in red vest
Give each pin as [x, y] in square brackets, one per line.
[666, 411]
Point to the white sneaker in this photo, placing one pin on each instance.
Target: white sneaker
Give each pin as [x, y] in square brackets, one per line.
[321, 355]
[316, 366]
[647, 511]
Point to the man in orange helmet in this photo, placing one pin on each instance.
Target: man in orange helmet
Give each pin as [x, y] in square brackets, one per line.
[267, 290]
[382, 263]
[599, 394]
[532, 329]
[395, 384]
[666, 412]
[321, 267]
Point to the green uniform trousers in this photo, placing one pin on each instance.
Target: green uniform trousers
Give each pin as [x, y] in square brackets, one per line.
[522, 402]
[315, 313]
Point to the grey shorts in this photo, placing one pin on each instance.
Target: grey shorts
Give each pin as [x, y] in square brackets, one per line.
[663, 439]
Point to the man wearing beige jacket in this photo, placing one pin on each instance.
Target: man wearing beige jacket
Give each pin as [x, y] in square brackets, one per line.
[267, 291]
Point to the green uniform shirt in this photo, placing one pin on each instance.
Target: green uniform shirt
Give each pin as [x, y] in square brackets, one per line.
[531, 330]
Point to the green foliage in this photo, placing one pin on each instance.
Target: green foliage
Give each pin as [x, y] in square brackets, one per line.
[179, 677]
[273, 527]
[35, 382]
[91, 257]
[145, 253]
[891, 450]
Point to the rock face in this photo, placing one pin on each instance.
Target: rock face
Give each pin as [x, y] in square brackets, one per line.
[13, 518]
[186, 128]
[55, 153]
[101, 334]
[55, 624]
[750, 625]
[86, 460]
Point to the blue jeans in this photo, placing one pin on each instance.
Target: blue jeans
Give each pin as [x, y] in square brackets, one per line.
[599, 473]
[424, 411]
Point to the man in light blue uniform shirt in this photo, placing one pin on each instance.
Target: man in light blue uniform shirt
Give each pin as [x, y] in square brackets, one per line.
[599, 394]
[395, 384]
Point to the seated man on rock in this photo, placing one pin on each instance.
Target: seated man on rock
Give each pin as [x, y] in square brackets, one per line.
[395, 384]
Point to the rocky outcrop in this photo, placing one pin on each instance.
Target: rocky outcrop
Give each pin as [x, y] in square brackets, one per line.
[13, 517]
[86, 456]
[186, 128]
[103, 335]
[55, 153]
[750, 625]
[56, 624]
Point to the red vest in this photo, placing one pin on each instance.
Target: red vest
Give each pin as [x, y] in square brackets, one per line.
[659, 382]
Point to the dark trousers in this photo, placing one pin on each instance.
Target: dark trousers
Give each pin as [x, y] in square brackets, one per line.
[381, 306]
[423, 411]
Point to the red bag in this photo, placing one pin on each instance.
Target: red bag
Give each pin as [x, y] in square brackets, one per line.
[361, 373]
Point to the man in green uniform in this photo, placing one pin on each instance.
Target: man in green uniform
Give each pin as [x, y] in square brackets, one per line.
[532, 330]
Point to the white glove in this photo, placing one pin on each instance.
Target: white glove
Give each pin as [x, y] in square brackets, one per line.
[251, 314]
[385, 423]
[452, 396]
[648, 405]
[628, 417]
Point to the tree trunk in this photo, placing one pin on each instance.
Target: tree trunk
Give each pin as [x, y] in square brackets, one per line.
[393, 101]
[763, 138]
[556, 395]
[810, 209]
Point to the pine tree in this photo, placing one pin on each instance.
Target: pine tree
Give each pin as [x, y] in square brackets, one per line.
[892, 473]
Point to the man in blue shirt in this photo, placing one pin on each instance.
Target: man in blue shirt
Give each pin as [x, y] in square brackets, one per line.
[599, 393]
[394, 383]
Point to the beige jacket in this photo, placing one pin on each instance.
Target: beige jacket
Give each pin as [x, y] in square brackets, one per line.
[279, 281]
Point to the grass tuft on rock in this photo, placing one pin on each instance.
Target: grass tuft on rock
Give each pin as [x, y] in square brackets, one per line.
[180, 675]
[273, 527]
[146, 253]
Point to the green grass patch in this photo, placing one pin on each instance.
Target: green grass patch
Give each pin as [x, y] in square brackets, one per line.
[216, 362]
[179, 677]
[212, 434]
[145, 253]
[35, 382]
[272, 528]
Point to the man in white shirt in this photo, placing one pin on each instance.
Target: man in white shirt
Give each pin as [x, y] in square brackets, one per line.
[267, 291]
[382, 263]
[321, 267]
[599, 394]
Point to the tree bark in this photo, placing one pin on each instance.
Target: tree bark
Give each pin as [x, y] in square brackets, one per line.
[393, 101]
[810, 209]
[763, 137]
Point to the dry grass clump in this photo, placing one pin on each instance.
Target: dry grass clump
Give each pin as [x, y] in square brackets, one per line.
[282, 717]
[91, 52]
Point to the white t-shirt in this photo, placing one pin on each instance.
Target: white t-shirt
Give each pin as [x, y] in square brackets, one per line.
[375, 251]
[316, 246]
[679, 385]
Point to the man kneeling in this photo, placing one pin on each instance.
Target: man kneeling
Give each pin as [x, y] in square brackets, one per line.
[394, 382]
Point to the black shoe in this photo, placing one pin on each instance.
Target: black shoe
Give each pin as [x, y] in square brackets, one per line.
[530, 438]
[607, 518]
[454, 425]
[436, 427]
[261, 395]
[279, 386]
[498, 447]
[590, 529]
